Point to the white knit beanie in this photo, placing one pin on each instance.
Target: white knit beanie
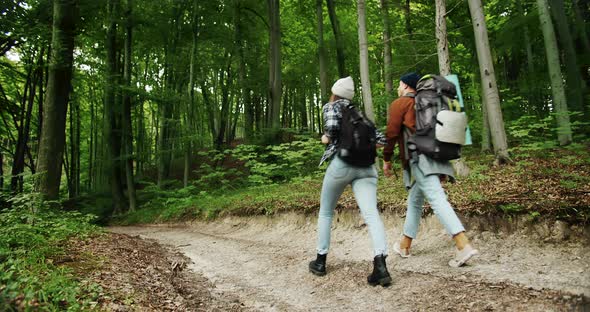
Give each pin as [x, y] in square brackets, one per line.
[344, 88]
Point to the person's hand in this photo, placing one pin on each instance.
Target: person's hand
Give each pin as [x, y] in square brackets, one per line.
[387, 168]
[325, 139]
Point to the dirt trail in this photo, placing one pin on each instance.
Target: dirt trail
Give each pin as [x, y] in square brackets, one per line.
[263, 261]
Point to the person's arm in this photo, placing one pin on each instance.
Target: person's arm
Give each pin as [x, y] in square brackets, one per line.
[393, 131]
[331, 122]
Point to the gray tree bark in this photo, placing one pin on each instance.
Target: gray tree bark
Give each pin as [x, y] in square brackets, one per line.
[275, 83]
[387, 58]
[191, 94]
[338, 37]
[486, 144]
[564, 132]
[364, 60]
[127, 123]
[322, 52]
[490, 87]
[112, 126]
[444, 63]
[51, 146]
[574, 79]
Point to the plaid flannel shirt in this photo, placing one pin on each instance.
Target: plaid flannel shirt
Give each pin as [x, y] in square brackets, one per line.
[332, 119]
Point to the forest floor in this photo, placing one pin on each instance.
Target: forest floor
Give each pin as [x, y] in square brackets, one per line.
[260, 264]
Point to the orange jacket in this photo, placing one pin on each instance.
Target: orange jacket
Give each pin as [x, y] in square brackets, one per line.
[401, 114]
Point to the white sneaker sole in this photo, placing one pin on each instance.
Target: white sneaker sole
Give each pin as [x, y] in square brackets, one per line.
[457, 263]
[399, 252]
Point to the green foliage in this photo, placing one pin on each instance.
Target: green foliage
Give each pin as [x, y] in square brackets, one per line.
[253, 165]
[189, 203]
[530, 133]
[279, 163]
[32, 235]
[510, 208]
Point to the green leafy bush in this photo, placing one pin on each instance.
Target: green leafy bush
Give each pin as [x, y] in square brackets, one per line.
[280, 163]
[530, 133]
[32, 234]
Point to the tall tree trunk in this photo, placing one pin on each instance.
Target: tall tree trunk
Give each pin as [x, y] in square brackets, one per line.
[28, 97]
[127, 122]
[388, 77]
[582, 35]
[92, 142]
[52, 142]
[72, 190]
[275, 83]
[242, 73]
[488, 77]
[78, 152]
[209, 109]
[408, 20]
[191, 95]
[225, 102]
[1, 167]
[581, 27]
[444, 63]
[444, 66]
[112, 126]
[486, 145]
[322, 52]
[574, 79]
[338, 37]
[364, 60]
[564, 132]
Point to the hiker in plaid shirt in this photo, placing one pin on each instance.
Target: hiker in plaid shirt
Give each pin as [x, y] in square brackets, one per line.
[340, 174]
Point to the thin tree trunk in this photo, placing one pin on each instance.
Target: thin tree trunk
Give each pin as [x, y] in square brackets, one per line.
[444, 63]
[364, 60]
[1, 167]
[388, 78]
[581, 27]
[91, 166]
[127, 123]
[209, 108]
[338, 37]
[191, 95]
[72, 163]
[18, 164]
[408, 20]
[225, 103]
[275, 83]
[564, 132]
[574, 79]
[52, 142]
[322, 52]
[78, 151]
[486, 145]
[486, 68]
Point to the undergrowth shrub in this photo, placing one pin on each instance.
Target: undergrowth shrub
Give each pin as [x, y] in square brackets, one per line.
[32, 236]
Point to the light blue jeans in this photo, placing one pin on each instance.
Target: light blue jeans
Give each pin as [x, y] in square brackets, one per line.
[364, 185]
[429, 187]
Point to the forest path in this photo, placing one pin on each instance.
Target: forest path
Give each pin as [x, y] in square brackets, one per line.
[263, 261]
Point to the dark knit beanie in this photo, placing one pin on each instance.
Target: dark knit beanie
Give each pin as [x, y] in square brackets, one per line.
[411, 79]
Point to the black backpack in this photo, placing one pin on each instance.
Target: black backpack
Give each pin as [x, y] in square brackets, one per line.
[440, 125]
[357, 139]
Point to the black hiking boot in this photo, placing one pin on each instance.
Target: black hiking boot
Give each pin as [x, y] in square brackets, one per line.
[380, 275]
[318, 266]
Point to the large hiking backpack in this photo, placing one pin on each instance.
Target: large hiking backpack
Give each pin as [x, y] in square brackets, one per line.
[440, 124]
[357, 139]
